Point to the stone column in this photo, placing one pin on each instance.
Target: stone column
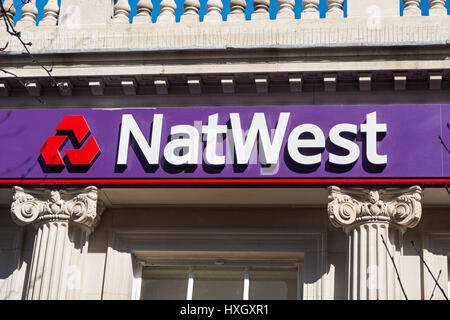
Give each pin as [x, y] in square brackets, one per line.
[63, 220]
[51, 12]
[29, 13]
[10, 12]
[368, 217]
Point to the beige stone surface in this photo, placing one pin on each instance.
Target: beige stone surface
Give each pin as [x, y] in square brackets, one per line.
[76, 13]
[246, 34]
[373, 8]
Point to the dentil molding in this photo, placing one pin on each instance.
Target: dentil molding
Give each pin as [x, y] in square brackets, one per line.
[348, 208]
[76, 206]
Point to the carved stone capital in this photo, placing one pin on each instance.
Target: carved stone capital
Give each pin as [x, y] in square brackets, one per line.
[80, 207]
[350, 207]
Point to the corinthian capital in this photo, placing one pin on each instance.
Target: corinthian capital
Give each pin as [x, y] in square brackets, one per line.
[80, 207]
[350, 207]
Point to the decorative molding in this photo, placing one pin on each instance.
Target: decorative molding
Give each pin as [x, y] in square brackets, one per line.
[33, 87]
[400, 80]
[129, 87]
[162, 85]
[296, 82]
[37, 206]
[262, 83]
[330, 82]
[228, 84]
[365, 81]
[349, 207]
[435, 80]
[280, 33]
[97, 87]
[195, 85]
[65, 87]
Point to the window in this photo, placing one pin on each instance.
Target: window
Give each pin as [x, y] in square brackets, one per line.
[164, 283]
[181, 279]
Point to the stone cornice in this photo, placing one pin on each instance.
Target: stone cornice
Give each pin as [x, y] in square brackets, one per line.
[280, 33]
[348, 208]
[35, 206]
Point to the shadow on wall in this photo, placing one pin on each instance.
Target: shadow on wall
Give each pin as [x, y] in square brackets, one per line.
[15, 256]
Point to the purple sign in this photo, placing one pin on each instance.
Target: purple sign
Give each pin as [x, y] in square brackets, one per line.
[276, 142]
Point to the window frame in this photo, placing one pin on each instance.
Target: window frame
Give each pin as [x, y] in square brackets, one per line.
[245, 264]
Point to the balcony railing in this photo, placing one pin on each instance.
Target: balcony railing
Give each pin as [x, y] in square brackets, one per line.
[47, 12]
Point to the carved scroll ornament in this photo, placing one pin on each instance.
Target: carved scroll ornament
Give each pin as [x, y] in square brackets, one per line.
[80, 207]
[349, 207]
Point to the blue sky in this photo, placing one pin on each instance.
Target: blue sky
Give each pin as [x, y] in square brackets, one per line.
[272, 9]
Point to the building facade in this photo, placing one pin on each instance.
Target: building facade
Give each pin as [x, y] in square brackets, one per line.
[240, 155]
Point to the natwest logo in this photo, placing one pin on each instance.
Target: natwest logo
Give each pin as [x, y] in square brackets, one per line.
[77, 130]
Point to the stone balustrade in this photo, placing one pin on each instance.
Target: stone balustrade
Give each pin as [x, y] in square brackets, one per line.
[142, 11]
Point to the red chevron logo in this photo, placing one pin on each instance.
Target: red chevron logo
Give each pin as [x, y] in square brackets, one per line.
[84, 156]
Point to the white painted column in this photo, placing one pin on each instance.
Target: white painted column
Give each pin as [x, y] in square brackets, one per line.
[51, 12]
[121, 11]
[371, 272]
[167, 8]
[335, 8]
[310, 9]
[191, 8]
[63, 221]
[29, 13]
[261, 10]
[412, 8]
[237, 10]
[369, 217]
[214, 10]
[144, 11]
[286, 9]
[437, 8]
